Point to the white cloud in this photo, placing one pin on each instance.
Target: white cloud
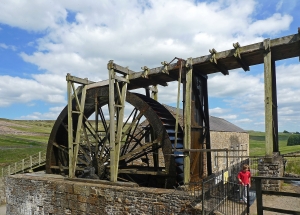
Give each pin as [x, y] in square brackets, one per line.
[18, 90]
[230, 116]
[138, 33]
[51, 114]
[217, 111]
[279, 5]
[4, 46]
[245, 120]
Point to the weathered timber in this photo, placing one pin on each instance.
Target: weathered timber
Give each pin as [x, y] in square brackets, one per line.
[282, 48]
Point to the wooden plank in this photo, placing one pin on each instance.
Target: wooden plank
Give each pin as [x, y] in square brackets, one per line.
[277, 178]
[78, 80]
[276, 193]
[142, 172]
[283, 211]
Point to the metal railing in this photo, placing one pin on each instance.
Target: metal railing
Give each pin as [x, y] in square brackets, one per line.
[25, 165]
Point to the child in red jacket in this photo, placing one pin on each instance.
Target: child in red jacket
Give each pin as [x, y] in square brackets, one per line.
[244, 178]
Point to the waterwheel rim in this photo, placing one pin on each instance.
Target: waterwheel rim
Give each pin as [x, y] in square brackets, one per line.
[162, 125]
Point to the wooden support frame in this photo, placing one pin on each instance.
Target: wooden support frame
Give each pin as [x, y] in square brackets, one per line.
[271, 121]
[73, 144]
[116, 105]
[238, 57]
[187, 119]
[214, 61]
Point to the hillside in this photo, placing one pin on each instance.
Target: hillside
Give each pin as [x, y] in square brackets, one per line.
[22, 138]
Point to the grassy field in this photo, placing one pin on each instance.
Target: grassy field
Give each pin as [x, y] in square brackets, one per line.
[257, 143]
[14, 147]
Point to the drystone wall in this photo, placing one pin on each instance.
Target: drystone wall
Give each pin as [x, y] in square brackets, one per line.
[271, 167]
[2, 193]
[52, 194]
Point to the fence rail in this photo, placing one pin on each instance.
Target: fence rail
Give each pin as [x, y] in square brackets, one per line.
[25, 165]
[260, 192]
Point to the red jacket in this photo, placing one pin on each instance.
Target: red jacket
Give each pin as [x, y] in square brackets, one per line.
[245, 177]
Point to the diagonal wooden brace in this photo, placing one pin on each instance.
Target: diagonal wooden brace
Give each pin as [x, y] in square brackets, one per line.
[238, 57]
[214, 61]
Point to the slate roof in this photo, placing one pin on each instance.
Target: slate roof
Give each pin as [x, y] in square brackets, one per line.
[216, 124]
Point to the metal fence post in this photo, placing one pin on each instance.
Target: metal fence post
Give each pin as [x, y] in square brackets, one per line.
[248, 200]
[203, 196]
[259, 196]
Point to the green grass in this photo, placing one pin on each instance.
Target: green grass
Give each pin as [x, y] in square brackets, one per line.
[14, 147]
[9, 156]
[257, 143]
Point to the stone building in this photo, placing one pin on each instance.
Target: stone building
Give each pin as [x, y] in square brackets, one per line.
[223, 135]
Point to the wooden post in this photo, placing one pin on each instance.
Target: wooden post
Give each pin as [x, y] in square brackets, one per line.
[73, 144]
[70, 126]
[268, 98]
[187, 120]
[154, 93]
[275, 109]
[111, 106]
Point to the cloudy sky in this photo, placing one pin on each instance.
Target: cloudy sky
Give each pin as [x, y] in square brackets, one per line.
[42, 41]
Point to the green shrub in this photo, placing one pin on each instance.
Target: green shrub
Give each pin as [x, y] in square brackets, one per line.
[294, 139]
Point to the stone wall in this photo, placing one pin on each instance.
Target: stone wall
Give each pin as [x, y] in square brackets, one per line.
[232, 141]
[2, 193]
[52, 194]
[271, 167]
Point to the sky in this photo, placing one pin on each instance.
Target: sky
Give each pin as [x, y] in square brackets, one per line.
[42, 41]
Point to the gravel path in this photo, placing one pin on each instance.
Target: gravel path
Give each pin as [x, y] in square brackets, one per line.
[2, 209]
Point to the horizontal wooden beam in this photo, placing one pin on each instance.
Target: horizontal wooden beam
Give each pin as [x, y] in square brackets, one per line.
[283, 211]
[282, 48]
[141, 172]
[77, 80]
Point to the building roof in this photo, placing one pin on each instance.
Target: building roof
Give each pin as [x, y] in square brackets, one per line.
[216, 124]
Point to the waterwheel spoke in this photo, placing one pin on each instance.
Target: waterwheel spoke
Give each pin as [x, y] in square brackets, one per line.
[66, 151]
